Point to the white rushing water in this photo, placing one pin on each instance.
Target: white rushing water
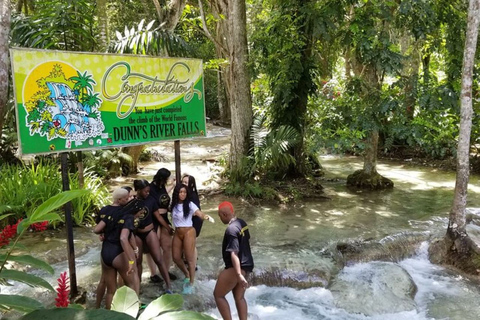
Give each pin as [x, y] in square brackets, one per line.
[441, 295]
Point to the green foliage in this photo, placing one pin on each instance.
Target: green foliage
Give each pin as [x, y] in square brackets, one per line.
[271, 148]
[70, 313]
[24, 189]
[44, 212]
[126, 301]
[114, 161]
[168, 306]
[8, 147]
[84, 206]
[20, 303]
[56, 24]
[147, 41]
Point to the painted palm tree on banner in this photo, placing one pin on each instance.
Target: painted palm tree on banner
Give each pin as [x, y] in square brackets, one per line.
[83, 83]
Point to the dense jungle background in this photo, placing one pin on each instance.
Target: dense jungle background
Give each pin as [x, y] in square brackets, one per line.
[292, 79]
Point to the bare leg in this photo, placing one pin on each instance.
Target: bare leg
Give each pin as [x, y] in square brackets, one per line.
[101, 287]
[111, 282]
[151, 265]
[140, 258]
[154, 248]
[227, 281]
[240, 302]
[177, 250]
[166, 244]
[189, 251]
[131, 279]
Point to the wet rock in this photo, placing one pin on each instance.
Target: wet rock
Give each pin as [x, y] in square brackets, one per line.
[360, 179]
[393, 248]
[374, 288]
[289, 278]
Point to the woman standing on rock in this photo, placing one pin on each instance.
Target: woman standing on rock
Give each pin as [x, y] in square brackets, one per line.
[117, 253]
[184, 240]
[160, 191]
[146, 233]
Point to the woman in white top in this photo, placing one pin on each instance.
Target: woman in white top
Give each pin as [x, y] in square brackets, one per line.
[184, 240]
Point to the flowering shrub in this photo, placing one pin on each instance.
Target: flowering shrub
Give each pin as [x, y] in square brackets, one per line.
[8, 233]
[40, 226]
[61, 301]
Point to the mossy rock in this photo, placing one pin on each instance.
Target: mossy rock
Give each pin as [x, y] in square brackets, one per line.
[361, 179]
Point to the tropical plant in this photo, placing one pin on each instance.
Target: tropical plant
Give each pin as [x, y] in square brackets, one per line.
[25, 187]
[56, 24]
[147, 41]
[43, 212]
[115, 161]
[125, 305]
[270, 148]
[85, 206]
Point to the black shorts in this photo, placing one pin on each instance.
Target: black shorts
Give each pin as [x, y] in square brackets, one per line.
[143, 235]
[109, 252]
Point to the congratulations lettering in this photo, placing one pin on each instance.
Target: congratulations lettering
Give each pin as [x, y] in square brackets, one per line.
[147, 85]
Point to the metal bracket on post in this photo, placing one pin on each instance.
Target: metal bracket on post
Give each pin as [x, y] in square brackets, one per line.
[178, 169]
[69, 224]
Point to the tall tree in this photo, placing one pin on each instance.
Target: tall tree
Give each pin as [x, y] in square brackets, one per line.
[5, 14]
[295, 44]
[230, 39]
[217, 37]
[102, 22]
[458, 243]
[240, 98]
[369, 37]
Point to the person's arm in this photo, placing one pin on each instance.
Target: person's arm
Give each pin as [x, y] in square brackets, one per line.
[99, 227]
[162, 221]
[133, 244]
[127, 248]
[238, 269]
[202, 215]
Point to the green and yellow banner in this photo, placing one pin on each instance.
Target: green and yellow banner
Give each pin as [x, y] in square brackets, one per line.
[71, 101]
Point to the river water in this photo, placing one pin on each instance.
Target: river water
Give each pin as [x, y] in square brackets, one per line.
[300, 271]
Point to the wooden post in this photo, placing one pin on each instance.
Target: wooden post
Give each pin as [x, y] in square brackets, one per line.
[81, 179]
[69, 224]
[178, 170]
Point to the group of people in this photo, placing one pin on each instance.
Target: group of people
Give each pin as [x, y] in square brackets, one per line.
[139, 224]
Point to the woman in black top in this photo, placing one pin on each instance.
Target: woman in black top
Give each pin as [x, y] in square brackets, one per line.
[117, 252]
[159, 191]
[146, 233]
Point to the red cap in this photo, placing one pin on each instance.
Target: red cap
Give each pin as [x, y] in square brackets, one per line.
[225, 204]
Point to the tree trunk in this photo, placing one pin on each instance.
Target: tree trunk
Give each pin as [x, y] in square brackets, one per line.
[102, 17]
[169, 16]
[371, 151]
[5, 13]
[456, 226]
[368, 177]
[223, 107]
[239, 83]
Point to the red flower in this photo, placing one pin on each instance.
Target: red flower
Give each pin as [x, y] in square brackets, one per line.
[40, 226]
[8, 233]
[62, 291]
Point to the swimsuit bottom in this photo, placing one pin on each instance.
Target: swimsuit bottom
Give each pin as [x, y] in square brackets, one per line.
[109, 252]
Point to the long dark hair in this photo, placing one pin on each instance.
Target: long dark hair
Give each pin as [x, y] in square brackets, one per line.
[161, 177]
[192, 190]
[175, 199]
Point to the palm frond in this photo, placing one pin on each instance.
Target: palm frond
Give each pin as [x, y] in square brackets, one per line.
[156, 42]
